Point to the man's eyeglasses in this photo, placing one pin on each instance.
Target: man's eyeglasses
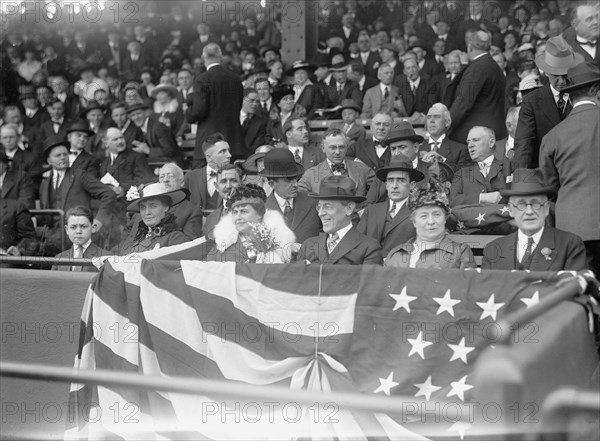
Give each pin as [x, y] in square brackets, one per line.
[522, 206]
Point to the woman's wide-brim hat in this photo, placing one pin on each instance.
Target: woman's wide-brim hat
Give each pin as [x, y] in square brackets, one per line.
[528, 182]
[81, 126]
[581, 75]
[155, 190]
[558, 57]
[400, 163]
[298, 65]
[171, 90]
[250, 164]
[403, 130]
[52, 142]
[340, 188]
[280, 163]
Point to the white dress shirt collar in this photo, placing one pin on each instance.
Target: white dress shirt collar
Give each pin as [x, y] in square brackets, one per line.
[522, 242]
[399, 205]
[439, 140]
[212, 65]
[342, 232]
[281, 201]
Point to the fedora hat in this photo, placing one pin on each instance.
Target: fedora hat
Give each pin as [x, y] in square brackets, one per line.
[154, 190]
[349, 103]
[558, 57]
[259, 67]
[26, 92]
[280, 163]
[403, 130]
[300, 64]
[137, 106]
[581, 75]
[50, 143]
[527, 182]
[337, 188]
[86, 67]
[268, 48]
[250, 165]
[400, 163]
[282, 91]
[92, 105]
[389, 47]
[338, 63]
[171, 90]
[321, 60]
[419, 43]
[81, 126]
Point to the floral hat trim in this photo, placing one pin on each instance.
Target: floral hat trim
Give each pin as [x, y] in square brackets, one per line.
[431, 193]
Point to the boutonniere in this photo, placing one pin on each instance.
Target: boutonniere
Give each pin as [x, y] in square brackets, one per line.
[546, 253]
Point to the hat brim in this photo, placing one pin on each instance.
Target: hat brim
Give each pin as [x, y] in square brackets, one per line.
[310, 68]
[338, 197]
[177, 197]
[358, 109]
[415, 137]
[589, 82]
[137, 107]
[540, 62]
[46, 152]
[249, 165]
[299, 171]
[338, 68]
[414, 174]
[550, 191]
[171, 90]
[88, 132]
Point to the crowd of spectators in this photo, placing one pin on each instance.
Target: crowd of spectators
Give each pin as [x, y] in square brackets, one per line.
[91, 112]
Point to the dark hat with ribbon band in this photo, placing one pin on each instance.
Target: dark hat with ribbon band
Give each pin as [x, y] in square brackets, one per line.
[52, 142]
[300, 64]
[337, 188]
[81, 126]
[581, 75]
[403, 130]
[400, 163]
[280, 163]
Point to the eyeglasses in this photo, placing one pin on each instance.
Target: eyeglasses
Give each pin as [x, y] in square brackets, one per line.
[522, 206]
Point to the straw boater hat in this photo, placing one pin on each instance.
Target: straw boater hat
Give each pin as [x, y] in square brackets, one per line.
[432, 193]
[558, 57]
[171, 90]
[400, 163]
[300, 64]
[527, 182]
[337, 188]
[154, 190]
[50, 143]
[280, 163]
[581, 75]
[401, 131]
[81, 126]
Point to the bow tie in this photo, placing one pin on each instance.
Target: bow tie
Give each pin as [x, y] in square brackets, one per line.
[212, 174]
[338, 167]
[588, 43]
[380, 144]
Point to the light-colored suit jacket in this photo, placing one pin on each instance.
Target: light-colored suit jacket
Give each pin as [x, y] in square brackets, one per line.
[357, 171]
[373, 102]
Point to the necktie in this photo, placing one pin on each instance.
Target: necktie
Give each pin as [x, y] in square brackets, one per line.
[77, 254]
[211, 183]
[386, 95]
[393, 210]
[339, 88]
[57, 180]
[264, 106]
[212, 174]
[297, 156]
[287, 212]
[435, 146]
[562, 104]
[338, 168]
[413, 87]
[525, 261]
[484, 169]
[56, 127]
[332, 241]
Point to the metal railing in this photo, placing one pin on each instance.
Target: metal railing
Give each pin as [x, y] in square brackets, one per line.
[41, 260]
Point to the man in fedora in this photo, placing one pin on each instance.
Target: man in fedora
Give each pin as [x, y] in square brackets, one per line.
[355, 132]
[63, 188]
[570, 160]
[159, 144]
[340, 89]
[282, 173]
[79, 135]
[335, 146]
[535, 246]
[340, 243]
[545, 107]
[388, 222]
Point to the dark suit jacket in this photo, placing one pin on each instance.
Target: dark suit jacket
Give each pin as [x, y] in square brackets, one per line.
[217, 102]
[389, 234]
[18, 186]
[367, 84]
[113, 59]
[17, 227]
[305, 222]
[479, 99]
[92, 251]
[310, 100]
[456, 154]
[28, 162]
[357, 132]
[211, 222]
[78, 188]
[134, 68]
[311, 156]
[129, 168]
[538, 115]
[254, 130]
[39, 118]
[571, 38]
[570, 160]
[468, 183]
[196, 182]
[87, 163]
[131, 133]
[354, 249]
[47, 129]
[367, 154]
[161, 142]
[333, 98]
[423, 98]
[568, 252]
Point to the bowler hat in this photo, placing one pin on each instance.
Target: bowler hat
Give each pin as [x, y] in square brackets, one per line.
[581, 75]
[337, 188]
[419, 43]
[87, 66]
[300, 64]
[558, 57]
[349, 103]
[282, 91]
[403, 130]
[51, 142]
[400, 163]
[26, 92]
[389, 47]
[280, 163]
[157, 189]
[137, 106]
[527, 182]
[268, 48]
[80, 126]
[92, 105]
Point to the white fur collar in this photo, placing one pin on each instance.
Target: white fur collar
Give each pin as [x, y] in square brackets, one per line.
[226, 233]
[171, 106]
